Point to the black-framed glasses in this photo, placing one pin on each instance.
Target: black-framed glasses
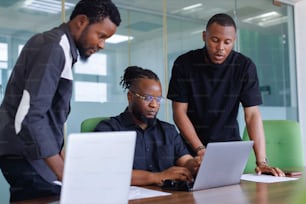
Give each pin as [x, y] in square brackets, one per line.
[147, 98]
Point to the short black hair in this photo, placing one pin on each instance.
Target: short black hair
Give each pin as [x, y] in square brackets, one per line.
[222, 19]
[97, 10]
[132, 73]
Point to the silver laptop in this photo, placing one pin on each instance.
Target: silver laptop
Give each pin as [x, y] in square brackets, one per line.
[98, 167]
[223, 164]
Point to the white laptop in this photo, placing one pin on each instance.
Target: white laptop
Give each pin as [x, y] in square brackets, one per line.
[223, 164]
[98, 168]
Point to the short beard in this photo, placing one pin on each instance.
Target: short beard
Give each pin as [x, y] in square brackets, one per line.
[149, 121]
[82, 54]
[80, 45]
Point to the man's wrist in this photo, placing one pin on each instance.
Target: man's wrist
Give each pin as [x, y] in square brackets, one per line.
[262, 163]
[199, 148]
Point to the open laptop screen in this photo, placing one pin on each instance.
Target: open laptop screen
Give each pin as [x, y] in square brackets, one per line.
[98, 167]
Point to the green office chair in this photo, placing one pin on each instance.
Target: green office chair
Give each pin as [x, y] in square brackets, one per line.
[283, 145]
[89, 124]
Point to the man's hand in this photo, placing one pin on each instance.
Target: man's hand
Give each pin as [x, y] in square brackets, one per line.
[193, 164]
[265, 169]
[176, 173]
[201, 152]
[62, 154]
[56, 164]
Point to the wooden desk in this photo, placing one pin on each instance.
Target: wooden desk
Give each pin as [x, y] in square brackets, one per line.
[245, 193]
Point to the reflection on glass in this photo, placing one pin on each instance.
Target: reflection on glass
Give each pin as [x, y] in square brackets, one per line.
[90, 92]
[3, 55]
[95, 65]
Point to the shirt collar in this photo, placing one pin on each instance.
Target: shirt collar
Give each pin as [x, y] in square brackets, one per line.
[73, 48]
[226, 61]
[128, 120]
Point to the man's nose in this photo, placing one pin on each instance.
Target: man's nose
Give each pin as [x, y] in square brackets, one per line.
[101, 44]
[154, 103]
[220, 46]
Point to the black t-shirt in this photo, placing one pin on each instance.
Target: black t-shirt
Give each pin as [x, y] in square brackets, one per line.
[214, 91]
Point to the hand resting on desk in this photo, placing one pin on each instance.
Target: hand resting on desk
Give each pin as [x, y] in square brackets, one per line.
[265, 169]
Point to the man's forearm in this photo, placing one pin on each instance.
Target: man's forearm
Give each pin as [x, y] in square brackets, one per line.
[188, 132]
[185, 125]
[256, 132]
[142, 178]
[56, 164]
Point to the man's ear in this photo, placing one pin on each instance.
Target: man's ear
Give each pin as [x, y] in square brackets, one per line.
[82, 21]
[204, 35]
[129, 96]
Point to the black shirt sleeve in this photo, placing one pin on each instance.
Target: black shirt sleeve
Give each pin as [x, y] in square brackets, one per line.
[178, 86]
[250, 94]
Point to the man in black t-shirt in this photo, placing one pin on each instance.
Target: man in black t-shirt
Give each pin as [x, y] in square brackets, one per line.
[206, 87]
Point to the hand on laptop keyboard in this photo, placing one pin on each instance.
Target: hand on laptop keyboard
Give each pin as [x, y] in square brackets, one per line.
[177, 185]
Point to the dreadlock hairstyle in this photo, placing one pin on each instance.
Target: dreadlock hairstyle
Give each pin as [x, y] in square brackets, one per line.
[97, 10]
[132, 73]
[221, 19]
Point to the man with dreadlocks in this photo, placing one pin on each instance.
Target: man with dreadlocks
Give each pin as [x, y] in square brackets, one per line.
[160, 153]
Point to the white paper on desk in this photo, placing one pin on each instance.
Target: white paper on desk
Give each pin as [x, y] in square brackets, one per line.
[265, 178]
[139, 192]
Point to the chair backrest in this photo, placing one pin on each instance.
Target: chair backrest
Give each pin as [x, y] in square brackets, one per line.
[283, 145]
[89, 124]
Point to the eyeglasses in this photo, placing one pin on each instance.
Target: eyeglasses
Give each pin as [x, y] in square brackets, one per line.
[148, 98]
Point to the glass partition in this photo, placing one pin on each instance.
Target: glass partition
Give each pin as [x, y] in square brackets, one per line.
[156, 32]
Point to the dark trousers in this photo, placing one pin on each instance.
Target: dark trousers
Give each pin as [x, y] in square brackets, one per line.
[24, 182]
